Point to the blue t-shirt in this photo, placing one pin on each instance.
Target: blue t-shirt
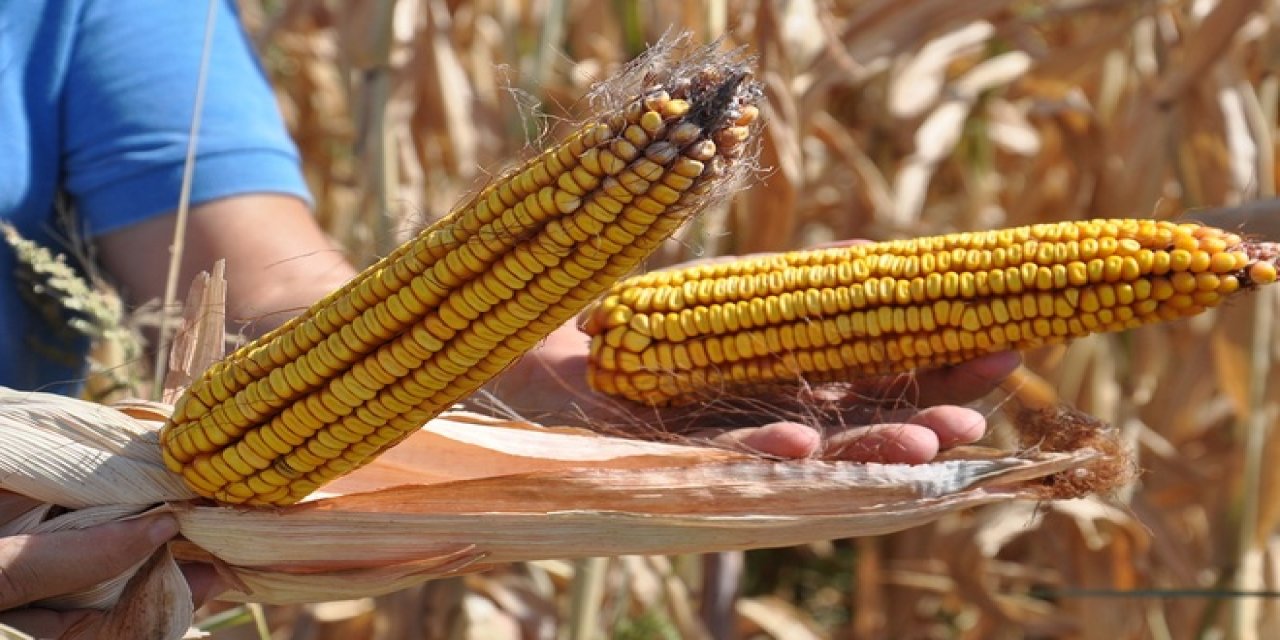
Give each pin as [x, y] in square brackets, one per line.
[96, 99]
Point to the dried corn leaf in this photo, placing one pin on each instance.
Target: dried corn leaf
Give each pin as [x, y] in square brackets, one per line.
[1231, 351]
[887, 27]
[920, 81]
[802, 32]
[449, 101]
[778, 618]
[155, 603]
[202, 337]
[942, 129]
[1206, 46]
[1010, 130]
[78, 454]
[771, 209]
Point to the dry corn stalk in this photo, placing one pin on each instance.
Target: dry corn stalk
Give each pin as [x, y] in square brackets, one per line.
[893, 307]
[443, 314]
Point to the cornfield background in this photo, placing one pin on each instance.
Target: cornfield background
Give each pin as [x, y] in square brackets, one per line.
[885, 118]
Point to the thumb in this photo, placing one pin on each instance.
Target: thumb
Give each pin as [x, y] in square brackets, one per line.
[37, 566]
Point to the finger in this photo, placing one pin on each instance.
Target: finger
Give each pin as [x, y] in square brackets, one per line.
[781, 439]
[906, 438]
[44, 623]
[13, 505]
[900, 443]
[48, 564]
[953, 425]
[204, 582]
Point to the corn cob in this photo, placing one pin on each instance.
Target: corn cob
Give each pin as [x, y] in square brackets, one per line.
[444, 313]
[892, 307]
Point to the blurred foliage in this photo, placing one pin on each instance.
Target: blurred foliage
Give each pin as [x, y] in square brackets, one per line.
[886, 118]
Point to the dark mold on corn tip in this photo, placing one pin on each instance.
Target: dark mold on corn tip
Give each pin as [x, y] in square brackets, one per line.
[718, 103]
[716, 79]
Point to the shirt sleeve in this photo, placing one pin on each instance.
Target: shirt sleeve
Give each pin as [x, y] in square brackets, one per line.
[127, 107]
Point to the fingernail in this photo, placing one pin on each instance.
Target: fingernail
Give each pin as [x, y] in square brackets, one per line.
[162, 528]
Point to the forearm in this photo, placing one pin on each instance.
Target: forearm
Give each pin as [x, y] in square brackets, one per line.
[278, 260]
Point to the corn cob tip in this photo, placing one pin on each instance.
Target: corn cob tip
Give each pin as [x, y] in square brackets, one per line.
[893, 307]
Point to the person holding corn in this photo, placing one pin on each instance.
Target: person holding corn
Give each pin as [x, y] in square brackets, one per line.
[96, 104]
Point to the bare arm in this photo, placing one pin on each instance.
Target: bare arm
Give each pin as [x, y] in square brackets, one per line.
[279, 261]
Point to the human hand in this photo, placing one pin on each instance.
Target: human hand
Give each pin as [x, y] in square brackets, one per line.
[931, 422]
[860, 423]
[33, 567]
[899, 419]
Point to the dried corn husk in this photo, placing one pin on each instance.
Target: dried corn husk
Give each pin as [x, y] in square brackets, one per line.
[465, 493]
[469, 492]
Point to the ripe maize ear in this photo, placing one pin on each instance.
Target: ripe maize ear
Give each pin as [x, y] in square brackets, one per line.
[430, 323]
[892, 307]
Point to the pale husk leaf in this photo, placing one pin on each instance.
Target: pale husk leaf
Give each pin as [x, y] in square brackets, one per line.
[78, 454]
[155, 603]
[468, 492]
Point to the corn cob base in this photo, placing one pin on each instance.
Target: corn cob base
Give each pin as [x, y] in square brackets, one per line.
[446, 312]
[672, 337]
